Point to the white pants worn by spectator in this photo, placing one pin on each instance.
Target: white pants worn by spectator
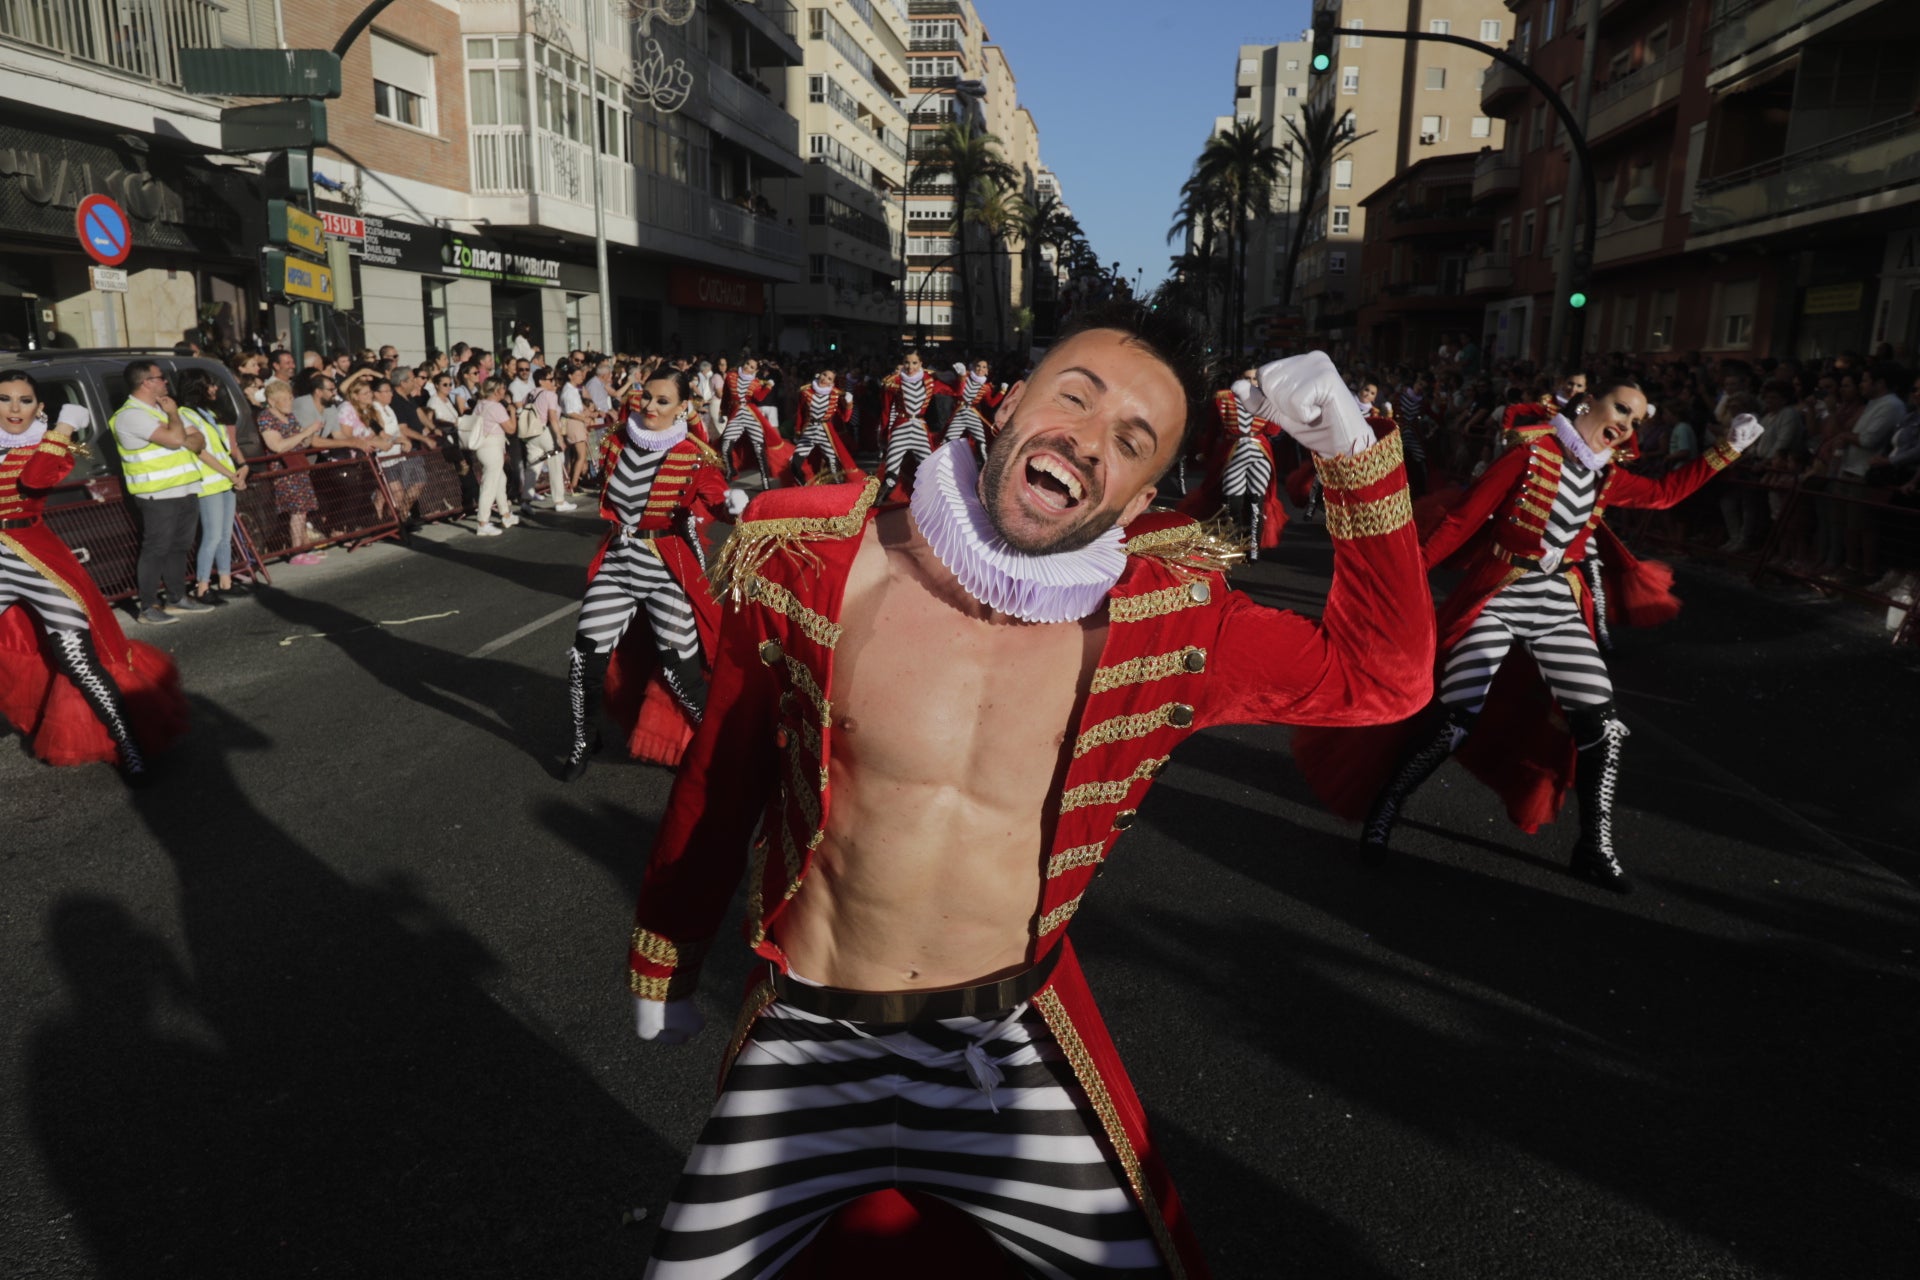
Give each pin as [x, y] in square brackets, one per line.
[492, 455]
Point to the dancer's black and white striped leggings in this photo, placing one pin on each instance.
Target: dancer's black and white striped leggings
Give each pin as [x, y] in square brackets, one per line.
[1540, 611]
[631, 578]
[1249, 470]
[981, 1112]
[744, 423]
[967, 424]
[907, 443]
[22, 584]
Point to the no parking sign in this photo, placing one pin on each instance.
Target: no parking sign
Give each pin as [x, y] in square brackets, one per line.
[105, 233]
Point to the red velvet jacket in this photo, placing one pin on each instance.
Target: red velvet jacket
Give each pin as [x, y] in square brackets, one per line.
[893, 409]
[688, 482]
[1208, 499]
[838, 414]
[36, 698]
[1182, 653]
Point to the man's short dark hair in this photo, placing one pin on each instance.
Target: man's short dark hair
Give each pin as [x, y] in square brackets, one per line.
[273, 357]
[1172, 341]
[136, 372]
[307, 379]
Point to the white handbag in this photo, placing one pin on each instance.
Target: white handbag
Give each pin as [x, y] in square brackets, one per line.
[536, 434]
[468, 428]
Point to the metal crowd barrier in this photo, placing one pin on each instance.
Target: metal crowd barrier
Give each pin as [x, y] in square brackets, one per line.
[355, 506]
[95, 519]
[436, 496]
[1803, 501]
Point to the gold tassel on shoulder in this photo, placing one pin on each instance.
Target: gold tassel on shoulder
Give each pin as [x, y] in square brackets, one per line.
[1213, 545]
[754, 542]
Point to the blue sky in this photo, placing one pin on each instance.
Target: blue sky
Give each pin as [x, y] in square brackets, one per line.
[1125, 92]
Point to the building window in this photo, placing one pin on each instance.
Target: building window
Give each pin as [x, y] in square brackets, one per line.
[1343, 174]
[1525, 39]
[1489, 31]
[1660, 320]
[1440, 27]
[1293, 91]
[1733, 313]
[1503, 237]
[402, 84]
[1566, 96]
[1349, 79]
[1293, 64]
[1548, 27]
[1355, 42]
[1551, 240]
[1433, 129]
[1526, 232]
[433, 311]
[1625, 312]
[1436, 78]
[1482, 127]
[1342, 219]
[1249, 66]
[816, 88]
[1337, 263]
[1539, 133]
[1656, 43]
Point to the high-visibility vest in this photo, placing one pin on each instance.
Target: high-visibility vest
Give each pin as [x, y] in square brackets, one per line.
[152, 468]
[212, 481]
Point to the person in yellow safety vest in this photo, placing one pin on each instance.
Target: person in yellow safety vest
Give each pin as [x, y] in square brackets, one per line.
[220, 475]
[160, 468]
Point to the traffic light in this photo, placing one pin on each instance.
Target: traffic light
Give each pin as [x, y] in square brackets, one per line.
[1322, 60]
[1577, 299]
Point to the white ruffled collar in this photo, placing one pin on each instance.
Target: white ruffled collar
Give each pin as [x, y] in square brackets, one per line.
[1571, 440]
[26, 439]
[1064, 587]
[641, 438]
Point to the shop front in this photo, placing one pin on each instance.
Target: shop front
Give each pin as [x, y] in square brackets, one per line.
[191, 273]
[714, 312]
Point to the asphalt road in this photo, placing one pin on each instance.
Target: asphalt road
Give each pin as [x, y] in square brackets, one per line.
[345, 996]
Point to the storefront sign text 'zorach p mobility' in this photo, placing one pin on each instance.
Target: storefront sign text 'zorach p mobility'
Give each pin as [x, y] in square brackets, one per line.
[478, 262]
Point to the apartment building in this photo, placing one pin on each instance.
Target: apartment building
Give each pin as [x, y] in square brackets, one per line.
[1758, 167]
[1270, 85]
[91, 103]
[1410, 100]
[475, 152]
[1424, 231]
[847, 95]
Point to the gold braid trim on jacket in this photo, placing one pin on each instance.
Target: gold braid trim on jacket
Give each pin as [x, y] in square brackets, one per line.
[754, 542]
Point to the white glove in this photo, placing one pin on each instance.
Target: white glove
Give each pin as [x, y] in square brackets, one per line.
[667, 1021]
[1305, 395]
[960, 367]
[1550, 559]
[737, 500]
[1745, 430]
[1243, 389]
[75, 416]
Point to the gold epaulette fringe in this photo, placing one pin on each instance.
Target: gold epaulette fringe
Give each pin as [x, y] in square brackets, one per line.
[754, 542]
[1213, 545]
[707, 453]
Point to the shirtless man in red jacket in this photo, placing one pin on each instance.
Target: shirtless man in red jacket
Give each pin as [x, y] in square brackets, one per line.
[943, 714]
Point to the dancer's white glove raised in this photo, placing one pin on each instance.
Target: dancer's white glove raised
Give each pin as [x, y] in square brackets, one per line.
[667, 1021]
[75, 416]
[1745, 430]
[737, 500]
[1306, 396]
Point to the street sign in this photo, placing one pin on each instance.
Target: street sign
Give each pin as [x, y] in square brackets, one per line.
[344, 226]
[274, 126]
[295, 228]
[293, 277]
[261, 73]
[104, 231]
[109, 279]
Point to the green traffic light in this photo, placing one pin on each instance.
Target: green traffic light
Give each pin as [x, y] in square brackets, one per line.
[1577, 301]
[1321, 62]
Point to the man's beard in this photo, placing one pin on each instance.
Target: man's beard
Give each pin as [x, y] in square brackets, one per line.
[999, 472]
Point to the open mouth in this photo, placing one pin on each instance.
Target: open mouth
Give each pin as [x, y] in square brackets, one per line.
[1053, 483]
[1612, 436]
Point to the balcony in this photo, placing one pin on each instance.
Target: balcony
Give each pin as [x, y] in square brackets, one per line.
[1490, 273]
[1454, 219]
[513, 160]
[938, 44]
[934, 9]
[749, 116]
[1876, 167]
[684, 223]
[1501, 84]
[1621, 237]
[1637, 95]
[1740, 29]
[138, 40]
[1495, 173]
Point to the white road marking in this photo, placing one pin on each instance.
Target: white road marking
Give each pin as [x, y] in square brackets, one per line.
[492, 647]
[384, 622]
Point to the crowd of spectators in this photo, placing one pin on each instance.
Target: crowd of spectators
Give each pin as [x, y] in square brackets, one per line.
[1830, 493]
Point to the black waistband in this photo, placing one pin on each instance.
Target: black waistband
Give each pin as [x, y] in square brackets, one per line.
[916, 1006]
[28, 523]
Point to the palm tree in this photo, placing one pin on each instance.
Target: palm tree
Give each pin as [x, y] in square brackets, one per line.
[970, 155]
[996, 212]
[1043, 221]
[1319, 139]
[1242, 166]
[1197, 218]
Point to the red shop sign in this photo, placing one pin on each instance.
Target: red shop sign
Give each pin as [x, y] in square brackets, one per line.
[713, 291]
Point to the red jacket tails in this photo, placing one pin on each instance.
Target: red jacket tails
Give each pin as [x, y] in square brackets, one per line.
[36, 698]
[833, 408]
[1210, 497]
[1182, 653]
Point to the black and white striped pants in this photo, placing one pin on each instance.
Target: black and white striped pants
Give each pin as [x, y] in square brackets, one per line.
[967, 424]
[907, 443]
[1249, 470]
[631, 578]
[22, 584]
[1540, 611]
[745, 423]
[983, 1112]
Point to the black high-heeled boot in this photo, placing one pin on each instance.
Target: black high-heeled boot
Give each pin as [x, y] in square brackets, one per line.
[584, 671]
[73, 653]
[686, 679]
[1422, 759]
[1599, 735]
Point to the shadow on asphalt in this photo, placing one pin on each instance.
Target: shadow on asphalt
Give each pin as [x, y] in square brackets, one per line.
[1743, 1085]
[567, 581]
[359, 1104]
